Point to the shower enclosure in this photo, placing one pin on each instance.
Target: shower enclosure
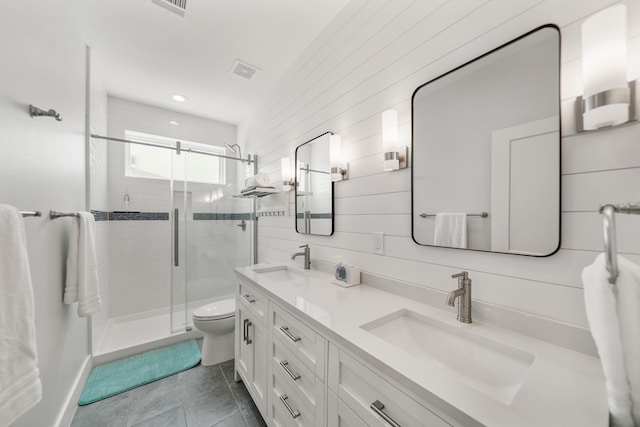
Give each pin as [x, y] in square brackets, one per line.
[174, 232]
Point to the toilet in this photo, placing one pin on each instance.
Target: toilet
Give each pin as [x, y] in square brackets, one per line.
[216, 321]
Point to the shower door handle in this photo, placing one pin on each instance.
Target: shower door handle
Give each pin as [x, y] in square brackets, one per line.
[176, 237]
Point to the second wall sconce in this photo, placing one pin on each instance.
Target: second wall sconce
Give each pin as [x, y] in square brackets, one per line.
[339, 169]
[608, 98]
[395, 155]
[288, 183]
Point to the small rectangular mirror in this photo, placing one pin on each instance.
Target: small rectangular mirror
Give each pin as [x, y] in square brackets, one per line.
[486, 151]
[314, 189]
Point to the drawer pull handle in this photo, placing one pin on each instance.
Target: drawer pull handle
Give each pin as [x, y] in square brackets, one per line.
[378, 408]
[294, 413]
[246, 325]
[249, 298]
[285, 366]
[285, 330]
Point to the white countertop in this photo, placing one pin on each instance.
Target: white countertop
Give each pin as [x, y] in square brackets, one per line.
[562, 387]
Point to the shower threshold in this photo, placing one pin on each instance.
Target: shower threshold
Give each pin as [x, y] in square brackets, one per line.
[132, 334]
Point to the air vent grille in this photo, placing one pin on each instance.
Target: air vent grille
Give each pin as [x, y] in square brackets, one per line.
[179, 7]
[244, 70]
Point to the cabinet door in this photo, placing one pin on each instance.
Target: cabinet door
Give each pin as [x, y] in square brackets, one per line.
[244, 349]
[257, 336]
[339, 414]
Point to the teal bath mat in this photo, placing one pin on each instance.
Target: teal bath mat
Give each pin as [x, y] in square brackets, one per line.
[116, 377]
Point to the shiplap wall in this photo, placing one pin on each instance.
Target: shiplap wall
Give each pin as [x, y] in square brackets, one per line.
[371, 58]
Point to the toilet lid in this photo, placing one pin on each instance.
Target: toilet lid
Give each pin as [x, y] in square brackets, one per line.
[216, 310]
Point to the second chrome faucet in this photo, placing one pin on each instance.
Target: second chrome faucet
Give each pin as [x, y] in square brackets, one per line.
[464, 294]
[307, 256]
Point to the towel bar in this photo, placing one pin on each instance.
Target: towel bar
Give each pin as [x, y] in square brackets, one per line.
[609, 234]
[481, 214]
[55, 214]
[30, 213]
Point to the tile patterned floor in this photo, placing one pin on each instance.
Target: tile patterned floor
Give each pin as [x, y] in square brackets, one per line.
[198, 397]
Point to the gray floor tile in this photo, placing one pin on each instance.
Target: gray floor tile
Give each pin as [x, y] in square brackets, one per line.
[228, 369]
[210, 407]
[172, 418]
[245, 404]
[203, 396]
[234, 421]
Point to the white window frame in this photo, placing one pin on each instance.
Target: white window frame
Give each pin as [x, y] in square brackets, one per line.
[135, 136]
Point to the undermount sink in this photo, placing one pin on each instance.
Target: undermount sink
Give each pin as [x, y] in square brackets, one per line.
[280, 273]
[489, 366]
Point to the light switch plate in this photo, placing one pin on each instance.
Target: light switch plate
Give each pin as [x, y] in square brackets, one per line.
[378, 243]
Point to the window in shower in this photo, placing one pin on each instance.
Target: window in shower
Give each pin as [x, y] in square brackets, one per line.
[143, 161]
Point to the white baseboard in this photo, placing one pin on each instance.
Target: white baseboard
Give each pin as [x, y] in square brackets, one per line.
[71, 403]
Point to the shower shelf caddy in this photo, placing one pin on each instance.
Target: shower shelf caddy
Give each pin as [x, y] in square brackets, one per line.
[258, 192]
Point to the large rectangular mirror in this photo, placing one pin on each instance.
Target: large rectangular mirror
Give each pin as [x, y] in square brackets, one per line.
[314, 189]
[486, 151]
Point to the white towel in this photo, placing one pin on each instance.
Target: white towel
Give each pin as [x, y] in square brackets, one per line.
[258, 180]
[613, 312]
[20, 386]
[451, 230]
[82, 267]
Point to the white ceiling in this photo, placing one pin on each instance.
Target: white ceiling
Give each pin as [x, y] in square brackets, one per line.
[147, 54]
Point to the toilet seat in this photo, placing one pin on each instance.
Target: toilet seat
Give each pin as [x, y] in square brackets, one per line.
[218, 310]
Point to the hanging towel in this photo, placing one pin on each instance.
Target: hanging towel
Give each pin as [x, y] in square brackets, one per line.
[613, 313]
[451, 230]
[82, 267]
[20, 387]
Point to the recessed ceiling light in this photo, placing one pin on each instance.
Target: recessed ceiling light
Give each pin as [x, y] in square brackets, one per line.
[179, 98]
[173, 122]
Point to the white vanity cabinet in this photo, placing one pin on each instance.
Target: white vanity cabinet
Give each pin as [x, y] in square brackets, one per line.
[372, 398]
[297, 377]
[251, 343]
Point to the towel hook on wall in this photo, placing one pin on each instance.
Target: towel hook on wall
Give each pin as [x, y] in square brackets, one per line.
[38, 112]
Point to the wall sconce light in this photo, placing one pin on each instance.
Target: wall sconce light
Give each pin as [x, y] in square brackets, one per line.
[288, 183]
[339, 170]
[607, 94]
[395, 156]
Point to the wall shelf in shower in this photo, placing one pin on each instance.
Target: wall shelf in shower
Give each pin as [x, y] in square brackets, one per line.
[258, 192]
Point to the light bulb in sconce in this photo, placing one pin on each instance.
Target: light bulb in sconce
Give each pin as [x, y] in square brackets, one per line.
[604, 69]
[338, 167]
[287, 179]
[395, 156]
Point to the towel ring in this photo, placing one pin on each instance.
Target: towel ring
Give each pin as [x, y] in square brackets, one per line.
[609, 234]
[610, 245]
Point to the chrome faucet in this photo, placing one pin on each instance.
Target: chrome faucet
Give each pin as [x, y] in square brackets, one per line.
[464, 292]
[307, 256]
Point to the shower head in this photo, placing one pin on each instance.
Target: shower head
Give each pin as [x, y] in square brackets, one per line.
[234, 148]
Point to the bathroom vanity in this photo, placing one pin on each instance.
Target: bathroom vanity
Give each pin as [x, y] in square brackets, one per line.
[315, 354]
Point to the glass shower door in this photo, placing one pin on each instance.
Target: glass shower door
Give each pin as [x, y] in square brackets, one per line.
[214, 234]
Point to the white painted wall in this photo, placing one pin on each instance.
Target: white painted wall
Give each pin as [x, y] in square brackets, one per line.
[371, 58]
[98, 194]
[42, 167]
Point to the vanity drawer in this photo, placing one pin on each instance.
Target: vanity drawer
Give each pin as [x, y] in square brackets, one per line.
[299, 378]
[300, 339]
[362, 389]
[254, 299]
[287, 407]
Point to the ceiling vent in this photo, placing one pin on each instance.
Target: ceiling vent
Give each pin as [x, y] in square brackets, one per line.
[179, 7]
[244, 70]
